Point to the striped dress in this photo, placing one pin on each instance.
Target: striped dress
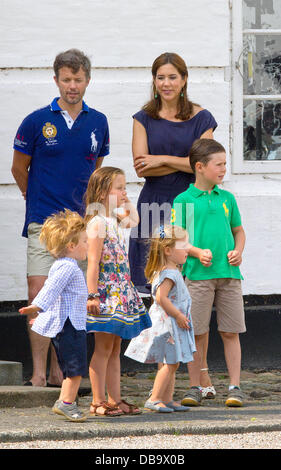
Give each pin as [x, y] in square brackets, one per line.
[122, 311]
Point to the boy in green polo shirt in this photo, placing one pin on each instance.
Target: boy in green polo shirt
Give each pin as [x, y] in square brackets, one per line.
[212, 219]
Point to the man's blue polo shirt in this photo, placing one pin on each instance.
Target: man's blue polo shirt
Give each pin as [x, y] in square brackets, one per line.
[62, 159]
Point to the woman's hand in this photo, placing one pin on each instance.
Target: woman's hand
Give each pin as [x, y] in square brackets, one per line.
[146, 162]
[93, 306]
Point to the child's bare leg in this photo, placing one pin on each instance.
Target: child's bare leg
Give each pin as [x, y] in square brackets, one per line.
[170, 388]
[205, 380]
[162, 379]
[113, 373]
[113, 378]
[232, 354]
[98, 366]
[194, 367]
[69, 388]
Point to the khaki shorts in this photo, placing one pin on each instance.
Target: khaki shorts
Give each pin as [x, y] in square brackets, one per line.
[39, 260]
[226, 296]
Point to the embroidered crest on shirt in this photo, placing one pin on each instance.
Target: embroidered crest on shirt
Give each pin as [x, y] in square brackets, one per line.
[94, 145]
[49, 131]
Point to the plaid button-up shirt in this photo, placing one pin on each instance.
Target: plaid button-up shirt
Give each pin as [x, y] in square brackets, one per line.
[64, 295]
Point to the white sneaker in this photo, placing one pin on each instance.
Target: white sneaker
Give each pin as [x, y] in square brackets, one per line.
[208, 392]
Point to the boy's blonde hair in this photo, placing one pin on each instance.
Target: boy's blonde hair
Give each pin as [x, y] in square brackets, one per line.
[99, 185]
[61, 229]
[165, 236]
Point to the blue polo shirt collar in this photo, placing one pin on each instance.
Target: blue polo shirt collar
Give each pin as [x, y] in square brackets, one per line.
[195, 192]
[55, 107]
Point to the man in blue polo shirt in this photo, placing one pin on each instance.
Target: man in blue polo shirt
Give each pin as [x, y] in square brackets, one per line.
[56, 149]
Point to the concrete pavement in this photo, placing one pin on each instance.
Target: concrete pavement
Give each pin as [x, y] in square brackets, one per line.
[25, 412]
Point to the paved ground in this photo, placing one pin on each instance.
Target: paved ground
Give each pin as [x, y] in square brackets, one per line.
[25, 413]
[172, 445]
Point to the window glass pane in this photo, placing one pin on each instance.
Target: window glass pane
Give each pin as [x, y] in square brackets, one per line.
[262, 64]
[262, 130]
[261, 14]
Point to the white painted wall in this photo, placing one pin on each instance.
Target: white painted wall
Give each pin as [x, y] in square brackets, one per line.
[122, 38]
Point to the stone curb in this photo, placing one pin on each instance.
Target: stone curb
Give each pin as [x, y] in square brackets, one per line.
[148, 430]
[17, 396]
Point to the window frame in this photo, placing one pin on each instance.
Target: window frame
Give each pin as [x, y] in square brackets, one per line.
[239, 165]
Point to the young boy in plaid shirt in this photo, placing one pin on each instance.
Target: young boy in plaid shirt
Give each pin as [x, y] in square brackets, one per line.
[62, 305]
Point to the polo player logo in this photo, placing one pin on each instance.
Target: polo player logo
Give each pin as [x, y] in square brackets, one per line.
[94, 145]
[226, 210]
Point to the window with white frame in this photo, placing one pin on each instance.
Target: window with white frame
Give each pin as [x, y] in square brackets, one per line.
[256, 85]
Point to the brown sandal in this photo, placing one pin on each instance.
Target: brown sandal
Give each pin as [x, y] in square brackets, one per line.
[133, 409]
[109, 410]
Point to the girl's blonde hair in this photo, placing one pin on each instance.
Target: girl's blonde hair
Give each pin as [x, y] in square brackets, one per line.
[99, 185]
[164, 237]
[61, 229]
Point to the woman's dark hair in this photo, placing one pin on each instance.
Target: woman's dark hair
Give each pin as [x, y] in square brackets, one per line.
[185, 107]
[74, 59]
[201, 151]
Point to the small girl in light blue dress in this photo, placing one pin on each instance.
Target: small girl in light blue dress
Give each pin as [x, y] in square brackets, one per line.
[170, 340]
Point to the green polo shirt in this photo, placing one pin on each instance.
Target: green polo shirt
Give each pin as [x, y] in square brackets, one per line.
[208, 218]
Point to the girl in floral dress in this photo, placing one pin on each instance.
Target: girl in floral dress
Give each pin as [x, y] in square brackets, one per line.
[170, 340]
[115, 310]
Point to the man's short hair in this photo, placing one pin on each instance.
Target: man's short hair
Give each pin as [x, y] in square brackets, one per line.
[74, 59]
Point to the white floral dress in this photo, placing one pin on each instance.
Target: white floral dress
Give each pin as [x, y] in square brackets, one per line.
[165, 341]
[122, 311]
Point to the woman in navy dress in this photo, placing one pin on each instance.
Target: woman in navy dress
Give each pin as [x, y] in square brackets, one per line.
[163, 133]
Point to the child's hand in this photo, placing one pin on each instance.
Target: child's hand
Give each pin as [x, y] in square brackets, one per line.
[126, 201]
[206, 257]
[29, 310]
[93, 306]
[182, 321]
[126, 206]
[234, 257]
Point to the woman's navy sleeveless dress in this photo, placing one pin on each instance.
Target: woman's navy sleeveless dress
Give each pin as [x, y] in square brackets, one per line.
[164, 138]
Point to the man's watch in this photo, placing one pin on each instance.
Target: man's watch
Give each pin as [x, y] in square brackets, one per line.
[93, 295]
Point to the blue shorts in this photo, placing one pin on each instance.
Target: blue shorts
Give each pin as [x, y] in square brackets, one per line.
[71, 349]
